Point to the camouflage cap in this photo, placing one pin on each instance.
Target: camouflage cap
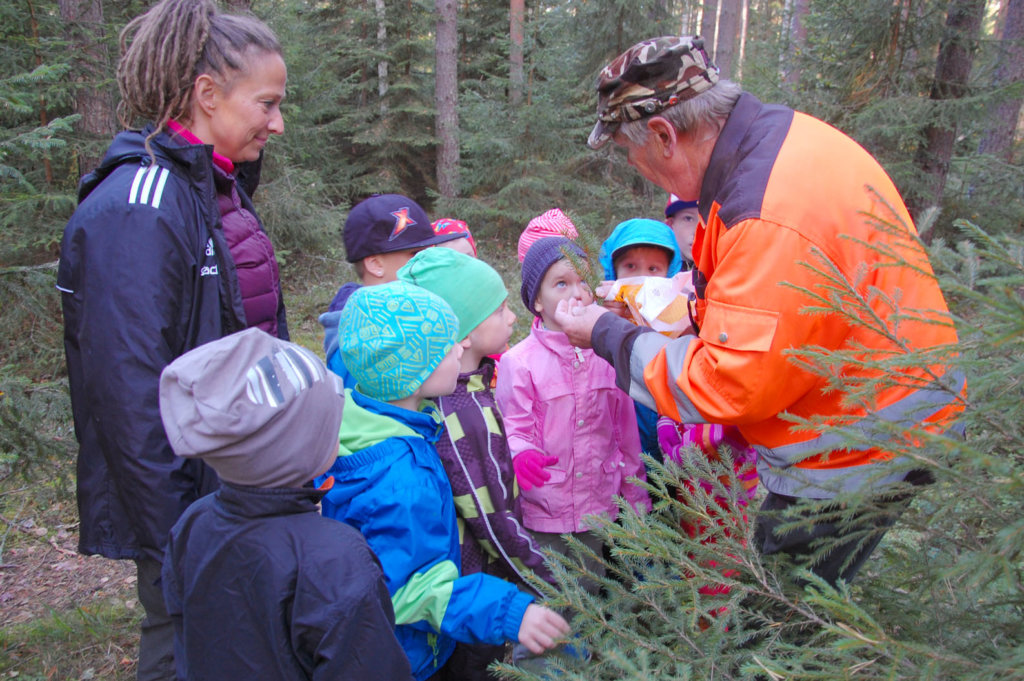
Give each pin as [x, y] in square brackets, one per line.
[648, 78]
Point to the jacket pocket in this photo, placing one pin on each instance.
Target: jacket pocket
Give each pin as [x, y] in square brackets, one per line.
[611, 472]
[738, 328]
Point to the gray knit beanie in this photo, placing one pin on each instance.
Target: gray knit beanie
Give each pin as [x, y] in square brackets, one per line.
[260, 411]
[538, 260]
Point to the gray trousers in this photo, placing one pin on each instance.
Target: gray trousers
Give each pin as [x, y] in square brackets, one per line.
[156, 642]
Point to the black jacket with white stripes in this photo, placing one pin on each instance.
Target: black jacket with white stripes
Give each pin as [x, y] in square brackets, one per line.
[145, 276]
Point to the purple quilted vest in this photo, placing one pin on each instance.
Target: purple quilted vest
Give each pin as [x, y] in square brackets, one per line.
[250, 247]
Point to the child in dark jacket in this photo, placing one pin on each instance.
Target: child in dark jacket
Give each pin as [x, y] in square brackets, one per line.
[381, 234]
[398, 341]
[473, 447]
[260, 585]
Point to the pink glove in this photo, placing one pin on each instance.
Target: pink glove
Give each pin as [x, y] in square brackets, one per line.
[670, 437]
[529, 467]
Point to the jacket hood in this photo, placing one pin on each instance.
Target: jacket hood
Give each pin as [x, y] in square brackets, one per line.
[366, 422]
[195, 160]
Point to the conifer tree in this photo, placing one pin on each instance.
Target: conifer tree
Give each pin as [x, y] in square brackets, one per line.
[943, 595]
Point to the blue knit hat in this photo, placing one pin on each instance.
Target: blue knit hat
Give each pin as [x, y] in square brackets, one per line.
[640, 232]
[392, 337]
[538, 260]
[676, 204]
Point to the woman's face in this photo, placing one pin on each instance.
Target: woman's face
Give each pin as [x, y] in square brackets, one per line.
[241, 114]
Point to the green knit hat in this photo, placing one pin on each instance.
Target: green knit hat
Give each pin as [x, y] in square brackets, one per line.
[470, 286]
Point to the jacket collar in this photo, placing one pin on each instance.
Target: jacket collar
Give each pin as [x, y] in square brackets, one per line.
[367, 421]
[194, 160]
[478, 380]
[556, 341]
[269, 501]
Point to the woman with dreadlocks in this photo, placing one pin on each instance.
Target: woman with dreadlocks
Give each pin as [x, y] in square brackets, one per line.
[163, 254]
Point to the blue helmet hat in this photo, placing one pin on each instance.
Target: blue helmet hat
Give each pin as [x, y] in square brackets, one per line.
[640, 232]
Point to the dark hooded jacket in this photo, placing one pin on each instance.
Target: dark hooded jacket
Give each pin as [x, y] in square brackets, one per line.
[260, 586]
[145, 275]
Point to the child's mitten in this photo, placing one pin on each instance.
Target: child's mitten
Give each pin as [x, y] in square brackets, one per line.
[529, 468]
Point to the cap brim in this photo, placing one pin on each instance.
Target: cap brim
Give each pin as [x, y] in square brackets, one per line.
[424, 243]
[601, 133]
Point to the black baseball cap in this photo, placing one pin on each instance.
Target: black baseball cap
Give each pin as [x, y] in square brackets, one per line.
[385, 223]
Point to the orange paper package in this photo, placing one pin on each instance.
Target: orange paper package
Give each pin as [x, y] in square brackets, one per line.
[658, 303]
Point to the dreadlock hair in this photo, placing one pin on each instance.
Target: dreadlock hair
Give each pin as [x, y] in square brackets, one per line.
[164, 50]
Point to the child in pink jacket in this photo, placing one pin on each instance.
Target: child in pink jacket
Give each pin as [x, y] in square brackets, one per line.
[571, 432]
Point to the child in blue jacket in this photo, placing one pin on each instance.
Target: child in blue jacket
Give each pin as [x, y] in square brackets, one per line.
[399, 343]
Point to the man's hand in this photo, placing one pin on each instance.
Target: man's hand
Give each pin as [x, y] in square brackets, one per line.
[577, 320]
[541, 628]
[615, 306]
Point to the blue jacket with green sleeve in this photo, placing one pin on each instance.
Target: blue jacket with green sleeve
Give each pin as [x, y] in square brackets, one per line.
[390, 485]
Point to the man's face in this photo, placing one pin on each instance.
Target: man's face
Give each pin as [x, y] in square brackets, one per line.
[676, 165]
[640, 157]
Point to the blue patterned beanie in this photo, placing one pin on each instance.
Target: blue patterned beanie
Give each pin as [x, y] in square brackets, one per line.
[392, 337]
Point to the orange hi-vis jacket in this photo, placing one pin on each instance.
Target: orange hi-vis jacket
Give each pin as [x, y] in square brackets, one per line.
[785, 195]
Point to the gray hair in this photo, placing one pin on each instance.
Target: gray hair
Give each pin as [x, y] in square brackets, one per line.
[710, 107]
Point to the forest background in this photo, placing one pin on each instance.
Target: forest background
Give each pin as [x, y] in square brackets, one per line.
[480, 110]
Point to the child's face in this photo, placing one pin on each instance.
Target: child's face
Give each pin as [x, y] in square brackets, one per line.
[560, 282]
[491, 335]
[443, 379]
[461, 245]
[684, 226]
[642, 261]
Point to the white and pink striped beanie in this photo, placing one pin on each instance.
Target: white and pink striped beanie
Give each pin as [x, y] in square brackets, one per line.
[552, 223]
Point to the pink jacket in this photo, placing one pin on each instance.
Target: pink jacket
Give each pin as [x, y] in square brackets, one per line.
[563, 401]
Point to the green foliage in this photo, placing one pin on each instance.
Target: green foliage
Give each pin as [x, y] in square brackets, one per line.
[942, 597]
[36, 180]
[84, 643]
[867, 68]
[36, 437]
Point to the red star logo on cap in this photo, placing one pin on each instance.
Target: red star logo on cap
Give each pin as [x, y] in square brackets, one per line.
[402, 220]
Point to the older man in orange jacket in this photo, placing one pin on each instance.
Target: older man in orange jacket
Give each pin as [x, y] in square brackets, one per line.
[777, 190]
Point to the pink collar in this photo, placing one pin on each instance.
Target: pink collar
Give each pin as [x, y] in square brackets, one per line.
[223, 162]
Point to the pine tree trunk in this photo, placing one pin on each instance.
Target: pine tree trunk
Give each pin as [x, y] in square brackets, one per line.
[725, 45]
[742, 39]
[90, 66]
[517, 11]
[446, 97]
[382, 65]
[998, 139]
[686, 18]
[708, 24]
[796, 36]
[956, 56]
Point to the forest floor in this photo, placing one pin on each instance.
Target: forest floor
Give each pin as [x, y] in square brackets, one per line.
[63, 615]
[46, 574]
